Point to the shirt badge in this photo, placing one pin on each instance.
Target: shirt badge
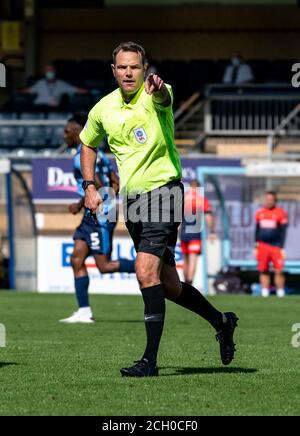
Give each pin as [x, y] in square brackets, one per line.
[140, 135]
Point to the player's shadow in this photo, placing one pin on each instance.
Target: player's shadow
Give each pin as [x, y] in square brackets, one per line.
[3, 364]
[192, 371]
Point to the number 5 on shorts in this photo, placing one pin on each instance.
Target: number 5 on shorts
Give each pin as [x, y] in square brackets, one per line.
[95, 241]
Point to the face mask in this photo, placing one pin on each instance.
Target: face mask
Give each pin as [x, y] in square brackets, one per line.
[50, 75]
[235, 61]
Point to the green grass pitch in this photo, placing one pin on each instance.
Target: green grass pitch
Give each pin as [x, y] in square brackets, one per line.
[48, 368]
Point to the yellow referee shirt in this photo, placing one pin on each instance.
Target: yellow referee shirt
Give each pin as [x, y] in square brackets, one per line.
[140, 135]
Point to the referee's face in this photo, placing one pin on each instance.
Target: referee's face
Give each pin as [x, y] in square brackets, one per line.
[129, 72]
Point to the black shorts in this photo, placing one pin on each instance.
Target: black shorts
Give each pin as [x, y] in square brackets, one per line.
[152, 220]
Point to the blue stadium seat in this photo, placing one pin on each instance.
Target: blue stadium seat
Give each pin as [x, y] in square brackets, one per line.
[20, 152]
[9, 136]
[59, 115]
[56, 135]
[34, 136]
[32, 116]
[4, 151]
[8, 116]
[21, 102]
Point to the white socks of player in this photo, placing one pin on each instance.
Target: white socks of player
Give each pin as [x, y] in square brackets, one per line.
[85, 312]
[265, 292]
[280, 293]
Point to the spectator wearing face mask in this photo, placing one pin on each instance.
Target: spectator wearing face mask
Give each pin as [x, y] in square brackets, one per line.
[238, 72]
[50, 90]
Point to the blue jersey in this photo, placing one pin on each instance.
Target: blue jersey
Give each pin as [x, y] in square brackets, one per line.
[103, 170]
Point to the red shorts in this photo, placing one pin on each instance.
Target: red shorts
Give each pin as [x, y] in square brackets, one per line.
[267, 254]
[191, 247]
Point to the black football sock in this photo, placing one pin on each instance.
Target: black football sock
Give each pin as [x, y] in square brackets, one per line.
[192, 299]
[155, 309]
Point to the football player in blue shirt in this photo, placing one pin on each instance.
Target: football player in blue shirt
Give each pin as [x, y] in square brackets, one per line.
[94, 235]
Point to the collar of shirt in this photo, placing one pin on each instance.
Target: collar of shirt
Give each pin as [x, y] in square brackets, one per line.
[133, 101]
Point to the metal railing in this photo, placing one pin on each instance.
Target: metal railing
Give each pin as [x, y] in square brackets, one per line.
[250, 110]
[289, 126]
[187, 108]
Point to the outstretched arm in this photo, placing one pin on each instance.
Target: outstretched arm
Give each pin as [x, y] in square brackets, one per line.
[155, 86]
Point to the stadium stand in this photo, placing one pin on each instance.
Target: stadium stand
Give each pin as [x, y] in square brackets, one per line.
[217, 116]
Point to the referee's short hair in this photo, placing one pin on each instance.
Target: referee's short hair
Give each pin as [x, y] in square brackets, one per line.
[129, 46]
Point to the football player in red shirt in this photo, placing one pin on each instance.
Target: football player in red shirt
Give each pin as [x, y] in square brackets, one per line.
[271, 225]
[191, 244]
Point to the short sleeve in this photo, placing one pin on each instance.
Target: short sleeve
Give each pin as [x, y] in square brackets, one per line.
[227, 74]
[246, 73]
[283, 220]
[34, 89]
[66, 88]
[93, 132]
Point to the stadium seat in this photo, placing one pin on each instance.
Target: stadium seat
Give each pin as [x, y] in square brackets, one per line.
[32, 116]
[59, 115]
[8, 116]
[34, 136]
[21, 152]
[9, 136]
[21, 102]
[56, 135]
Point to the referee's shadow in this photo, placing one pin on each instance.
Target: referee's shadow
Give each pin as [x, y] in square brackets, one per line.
[177, 370]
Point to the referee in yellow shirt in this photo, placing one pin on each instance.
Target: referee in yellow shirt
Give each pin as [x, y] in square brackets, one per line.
[138, 120]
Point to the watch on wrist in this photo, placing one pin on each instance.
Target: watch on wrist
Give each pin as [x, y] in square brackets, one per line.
[86, 183]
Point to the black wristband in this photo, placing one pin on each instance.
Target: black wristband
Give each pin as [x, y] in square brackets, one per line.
[86, 183]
